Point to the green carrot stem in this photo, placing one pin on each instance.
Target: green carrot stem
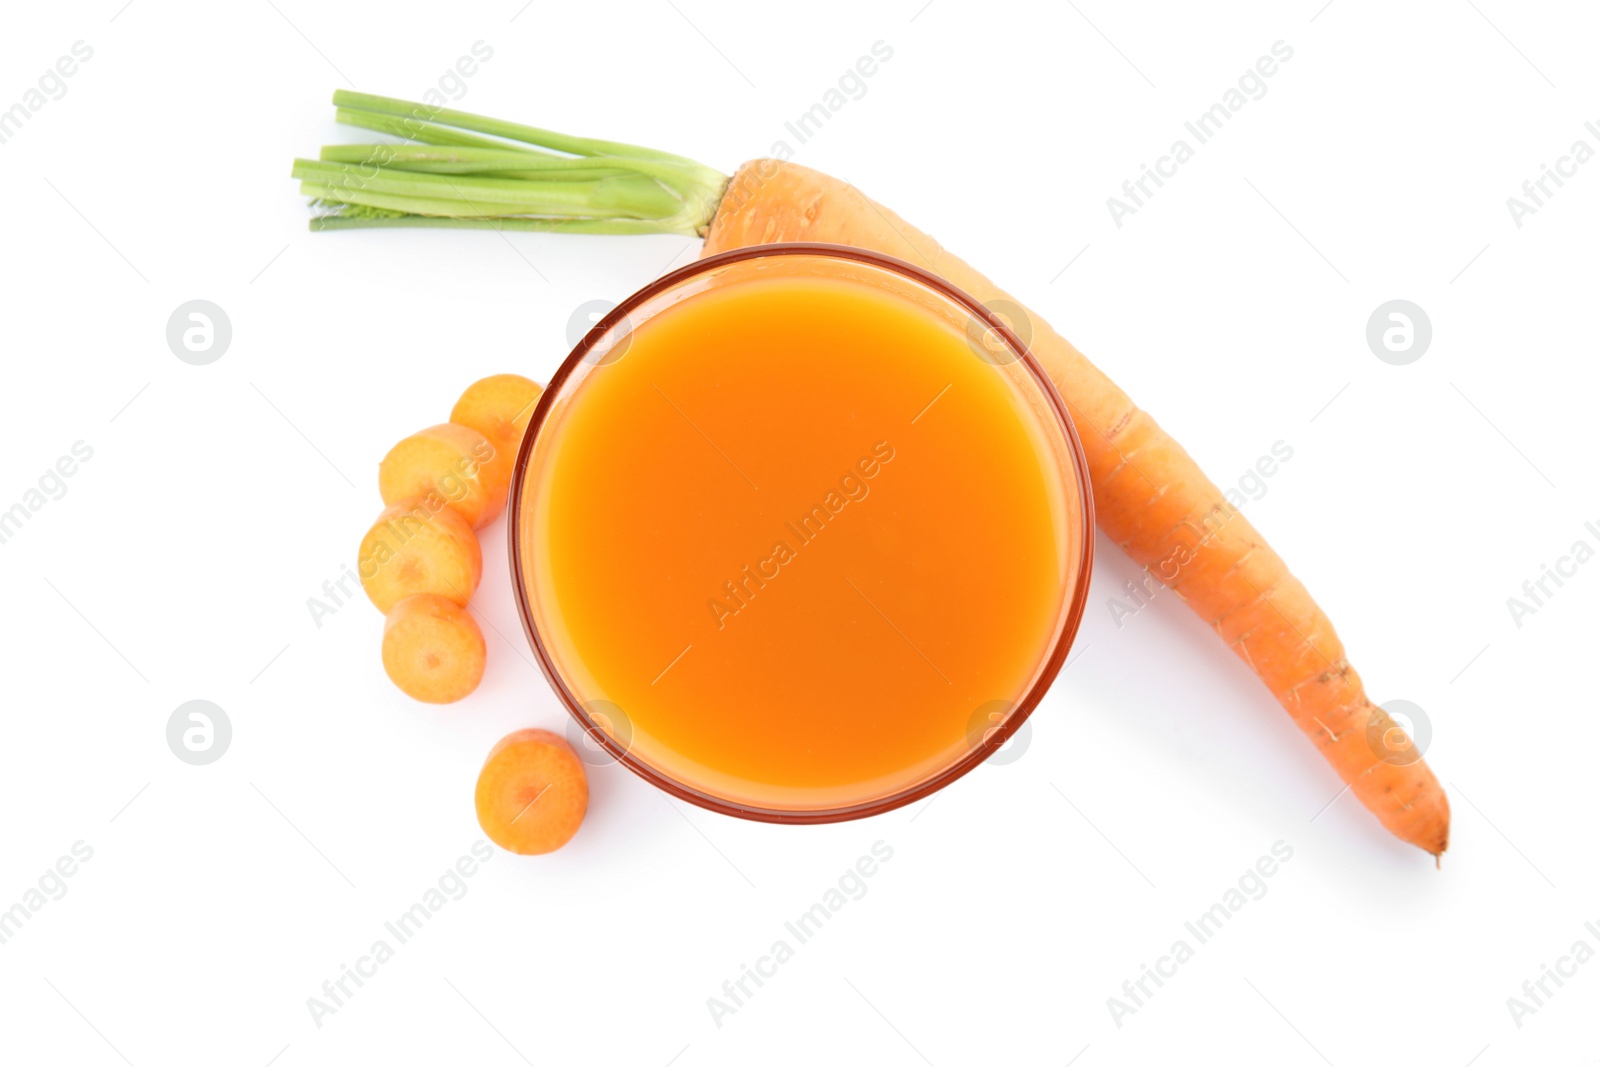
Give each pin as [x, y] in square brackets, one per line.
[463, 207]
[629, 196]
[671, 170]
[423, 132]
[406, 205]
[579, 146]
[596, 226]
[452, 160]
[484, 158]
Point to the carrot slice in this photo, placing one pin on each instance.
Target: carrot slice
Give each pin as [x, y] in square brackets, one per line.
[499, 407]
[419, 546]
[532, 793]
[455, 463]
[432, 649]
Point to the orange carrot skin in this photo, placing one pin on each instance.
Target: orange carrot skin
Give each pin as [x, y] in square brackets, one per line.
[1150, 497]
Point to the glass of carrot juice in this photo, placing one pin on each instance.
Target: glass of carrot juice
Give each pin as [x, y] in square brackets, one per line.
[800, 533]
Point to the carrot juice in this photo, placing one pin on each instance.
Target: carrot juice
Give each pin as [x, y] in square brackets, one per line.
[796, 540]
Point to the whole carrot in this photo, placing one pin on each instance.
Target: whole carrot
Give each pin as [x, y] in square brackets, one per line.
[1150, 496]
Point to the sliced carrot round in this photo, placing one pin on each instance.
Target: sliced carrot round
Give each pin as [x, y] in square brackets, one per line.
[499, 407]
[432, 649]
[419, 546]
[532, 793]
[450, 462]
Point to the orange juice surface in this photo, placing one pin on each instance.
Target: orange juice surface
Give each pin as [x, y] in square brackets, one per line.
[799, 539]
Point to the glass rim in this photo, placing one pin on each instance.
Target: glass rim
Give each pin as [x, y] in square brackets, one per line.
[979, 752]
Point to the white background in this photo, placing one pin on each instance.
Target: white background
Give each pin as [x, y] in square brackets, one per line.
[1233, 306]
